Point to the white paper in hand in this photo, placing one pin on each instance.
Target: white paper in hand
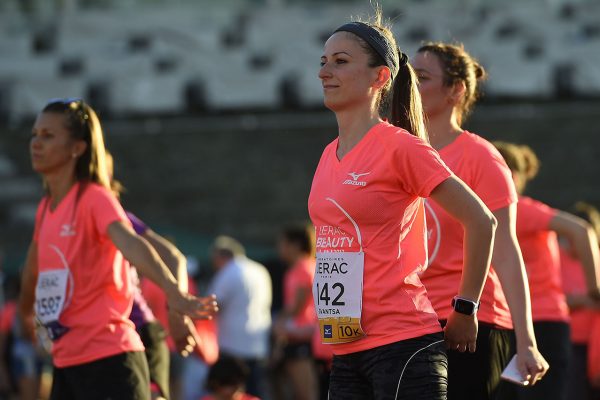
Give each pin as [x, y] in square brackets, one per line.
[511, 373]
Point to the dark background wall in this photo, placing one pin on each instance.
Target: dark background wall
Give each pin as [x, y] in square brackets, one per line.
[248, 174]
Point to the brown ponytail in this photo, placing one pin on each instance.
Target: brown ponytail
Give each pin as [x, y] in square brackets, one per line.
[405, 109]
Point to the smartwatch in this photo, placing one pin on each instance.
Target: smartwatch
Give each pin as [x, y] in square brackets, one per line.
[464, 306]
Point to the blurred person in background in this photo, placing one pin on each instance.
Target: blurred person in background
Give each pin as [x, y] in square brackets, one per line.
[448, 79]
[366, 203]
[77, 276]
[537, 229]
[585, 315]
[21, 359]
[243, 287]
[151, 331]
[297, 322]
[227, 379]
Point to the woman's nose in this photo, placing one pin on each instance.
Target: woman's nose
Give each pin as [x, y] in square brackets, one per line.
[324, 71]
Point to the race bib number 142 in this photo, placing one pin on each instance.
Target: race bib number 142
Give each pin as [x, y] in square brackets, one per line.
[337, 293]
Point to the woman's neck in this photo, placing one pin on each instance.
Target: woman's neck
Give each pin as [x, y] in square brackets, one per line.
[59, 185]
[443, 129]
[353, 125]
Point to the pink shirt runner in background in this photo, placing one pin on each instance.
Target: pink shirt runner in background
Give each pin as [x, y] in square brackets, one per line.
[478, 163]
[539, 246]
[75, 234]
[300, 276]
[380, 183]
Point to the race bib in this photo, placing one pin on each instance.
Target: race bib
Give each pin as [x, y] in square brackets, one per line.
[50, 295]
[337, 294]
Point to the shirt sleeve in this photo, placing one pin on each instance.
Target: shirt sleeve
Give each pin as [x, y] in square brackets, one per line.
[418, 166]
[105, 209]
[493, 181]
[138, 225]
[533, 216]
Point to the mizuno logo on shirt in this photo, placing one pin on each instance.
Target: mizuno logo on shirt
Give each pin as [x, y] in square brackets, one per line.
[67, 230]
[355, 179]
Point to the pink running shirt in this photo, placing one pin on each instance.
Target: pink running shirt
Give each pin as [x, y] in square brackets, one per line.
[478, 163]
[99, 307]
[380, 183]
[539, 246]
[301, 276]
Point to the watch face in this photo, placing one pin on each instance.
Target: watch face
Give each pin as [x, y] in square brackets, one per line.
[464, 307]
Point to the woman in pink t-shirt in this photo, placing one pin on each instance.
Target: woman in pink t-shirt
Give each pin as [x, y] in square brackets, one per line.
[537, 229]
[297, 322]
[76, 276]
[448, 79]
[366, 204]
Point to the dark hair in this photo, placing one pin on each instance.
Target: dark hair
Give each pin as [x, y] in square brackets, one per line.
[302, 236]
[83, 124]
[227, 371]
[405, 110]
[458, 66]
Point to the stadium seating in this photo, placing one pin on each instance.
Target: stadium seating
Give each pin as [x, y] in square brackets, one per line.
[239, 55]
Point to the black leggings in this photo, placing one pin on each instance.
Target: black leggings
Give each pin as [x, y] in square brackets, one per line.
[414, 369]
[476, 376]
[554, 343]
[121, 377]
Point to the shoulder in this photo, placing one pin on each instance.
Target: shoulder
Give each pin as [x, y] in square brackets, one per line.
[479, 147]
[93, 191]
[257, 267]
[527, 203]
[395, 137]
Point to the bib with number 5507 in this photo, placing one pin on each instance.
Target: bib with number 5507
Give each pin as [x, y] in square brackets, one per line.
[337, 292]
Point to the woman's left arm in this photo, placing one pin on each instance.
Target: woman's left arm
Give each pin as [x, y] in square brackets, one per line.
[458, 200]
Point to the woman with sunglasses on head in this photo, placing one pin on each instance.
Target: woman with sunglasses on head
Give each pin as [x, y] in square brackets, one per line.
[366, 204]
[77, 273]
[448, 79]
[537, 228]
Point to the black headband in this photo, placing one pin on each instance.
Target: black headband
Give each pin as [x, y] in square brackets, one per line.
[393, 57]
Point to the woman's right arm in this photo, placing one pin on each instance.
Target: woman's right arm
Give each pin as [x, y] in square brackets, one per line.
[27, 294]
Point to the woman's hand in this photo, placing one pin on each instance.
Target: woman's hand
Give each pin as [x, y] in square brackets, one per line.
[460, 332]
[531, 364]
[183, 332]
[194, 307]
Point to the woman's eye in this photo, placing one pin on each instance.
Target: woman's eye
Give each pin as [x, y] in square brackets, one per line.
[321, 63]
[339, 61]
